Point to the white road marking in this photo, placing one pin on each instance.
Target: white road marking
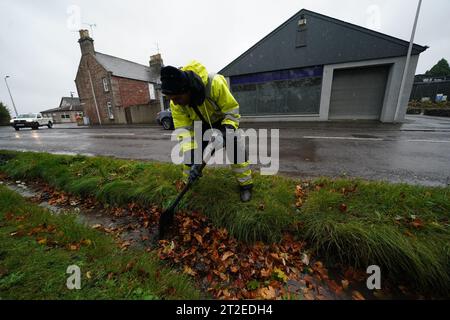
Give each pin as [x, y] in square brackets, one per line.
[109, 134]
[373, 139]
[343, 138]
[433, 141]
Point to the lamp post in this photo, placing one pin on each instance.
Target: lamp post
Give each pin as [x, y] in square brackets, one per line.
[14, 105]
[408, 58]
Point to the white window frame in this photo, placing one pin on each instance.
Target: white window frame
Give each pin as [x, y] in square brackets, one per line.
[109, 109]
[105, 84]
[151, 90]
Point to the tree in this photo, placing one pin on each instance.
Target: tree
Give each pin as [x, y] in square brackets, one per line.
[441, 69]
[5, 115]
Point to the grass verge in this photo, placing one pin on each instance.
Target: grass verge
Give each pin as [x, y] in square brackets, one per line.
[403, 229]
[37, 247]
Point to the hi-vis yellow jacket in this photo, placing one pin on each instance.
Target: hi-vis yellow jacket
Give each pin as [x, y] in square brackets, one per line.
[219, 105]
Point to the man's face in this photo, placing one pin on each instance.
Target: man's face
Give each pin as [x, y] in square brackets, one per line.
[180, 99]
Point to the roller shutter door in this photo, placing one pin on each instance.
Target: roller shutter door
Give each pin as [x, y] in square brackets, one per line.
[358, 93]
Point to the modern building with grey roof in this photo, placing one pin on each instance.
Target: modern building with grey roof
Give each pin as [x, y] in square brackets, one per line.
[314, 67]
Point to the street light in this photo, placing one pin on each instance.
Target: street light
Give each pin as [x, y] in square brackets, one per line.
[14, 105]
[408, 58]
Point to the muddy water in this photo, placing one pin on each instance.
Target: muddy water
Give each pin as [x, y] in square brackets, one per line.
[130, 228]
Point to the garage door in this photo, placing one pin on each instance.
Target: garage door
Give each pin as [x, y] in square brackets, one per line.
[358, 93]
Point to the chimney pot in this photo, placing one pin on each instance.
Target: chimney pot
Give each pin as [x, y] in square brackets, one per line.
[156, 63]
[86, 42]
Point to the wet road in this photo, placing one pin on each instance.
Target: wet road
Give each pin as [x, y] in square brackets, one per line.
[417, 152]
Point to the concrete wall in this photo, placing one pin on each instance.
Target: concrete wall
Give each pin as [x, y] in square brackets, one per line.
[144, 113]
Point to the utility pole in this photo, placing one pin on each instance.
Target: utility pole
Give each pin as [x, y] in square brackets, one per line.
[408, 59]
[14, 105]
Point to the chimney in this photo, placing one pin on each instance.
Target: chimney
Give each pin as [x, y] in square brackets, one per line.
[86, 43]
[156, 63]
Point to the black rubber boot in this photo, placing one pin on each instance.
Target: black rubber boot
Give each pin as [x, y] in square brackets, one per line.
[246, 194]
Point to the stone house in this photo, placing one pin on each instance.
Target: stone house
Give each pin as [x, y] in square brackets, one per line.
[117, 91]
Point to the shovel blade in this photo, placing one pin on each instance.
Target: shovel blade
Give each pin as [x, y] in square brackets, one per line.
[165, 222]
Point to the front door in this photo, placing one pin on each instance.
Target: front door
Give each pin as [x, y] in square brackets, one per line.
[128, 116]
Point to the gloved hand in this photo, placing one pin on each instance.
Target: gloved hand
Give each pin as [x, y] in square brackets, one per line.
[195, 172]
[227, 127]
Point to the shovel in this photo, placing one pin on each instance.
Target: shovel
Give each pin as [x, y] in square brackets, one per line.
[166, 218]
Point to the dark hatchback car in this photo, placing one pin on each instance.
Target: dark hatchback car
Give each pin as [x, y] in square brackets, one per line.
[165, 119]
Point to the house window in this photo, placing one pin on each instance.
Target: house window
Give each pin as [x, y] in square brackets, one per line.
[110, 110]
[151, 90]
[65, 116]
[105, 85]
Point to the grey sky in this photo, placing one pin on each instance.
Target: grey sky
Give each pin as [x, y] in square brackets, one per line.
[39, 49]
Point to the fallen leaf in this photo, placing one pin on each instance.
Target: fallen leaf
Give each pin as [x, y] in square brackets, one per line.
[267, 293]
[417, 223]
[42, 241]
[188, 270]
[234, 269]
[199, 238]
[280, 275]
[226, 255]
[88, 275]
[265, 273]
[307, 294]
[86, 242]
[299, 191]
[343, 207]
[74, 247]
[125, 244]
[130, 266]
[187, 237]
[356, 295]
[305, 259]
[345, 284]
[223, 276]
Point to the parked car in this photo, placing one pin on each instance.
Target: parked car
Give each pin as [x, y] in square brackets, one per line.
[31, 120]
[165, 119]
